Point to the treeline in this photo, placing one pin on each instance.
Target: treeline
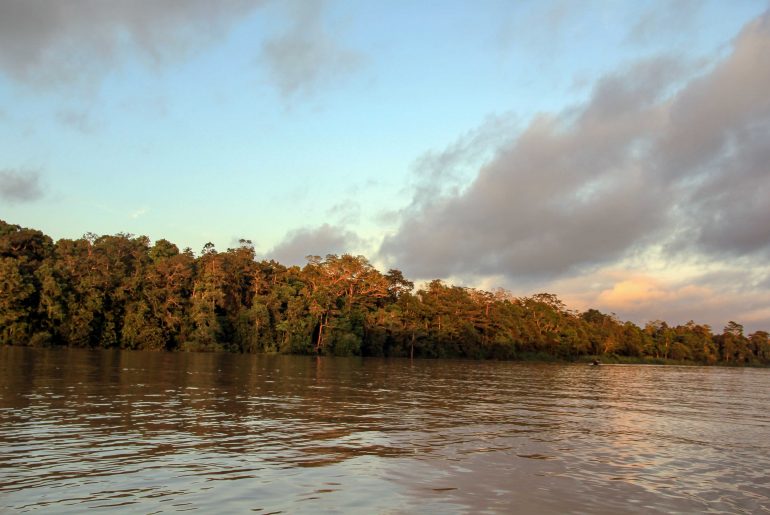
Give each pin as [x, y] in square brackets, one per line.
[122, 292]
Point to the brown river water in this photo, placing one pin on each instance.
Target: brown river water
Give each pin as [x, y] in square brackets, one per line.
[140, 432]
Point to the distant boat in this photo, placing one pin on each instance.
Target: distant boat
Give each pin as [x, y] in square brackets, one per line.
[596, 363]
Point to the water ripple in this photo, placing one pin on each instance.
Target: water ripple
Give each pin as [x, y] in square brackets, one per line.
[174, 432]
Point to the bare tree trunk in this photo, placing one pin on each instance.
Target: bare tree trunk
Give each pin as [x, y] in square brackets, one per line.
[318, 340]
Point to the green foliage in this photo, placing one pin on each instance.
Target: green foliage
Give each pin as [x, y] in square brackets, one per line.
[120, 291]
[22, 251]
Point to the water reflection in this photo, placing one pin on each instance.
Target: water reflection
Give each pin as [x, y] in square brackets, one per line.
[171, 432]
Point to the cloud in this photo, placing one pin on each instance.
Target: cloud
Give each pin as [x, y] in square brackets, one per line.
[730, 291]
[670, 18]
[646, 298]
[658, 153]
[47, 45]
[319, 241]
[74, 41]
[718, 139]
[444, 173]
[20, 185]
[139, 212]
[568, 190]
[542, 27]
[76, 119]
[307, 56]
[346, 212]
[632, 292]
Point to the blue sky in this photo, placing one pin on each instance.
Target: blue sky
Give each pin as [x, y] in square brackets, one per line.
[511, 144]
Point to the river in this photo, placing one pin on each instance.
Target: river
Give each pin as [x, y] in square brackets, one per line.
[147, 432]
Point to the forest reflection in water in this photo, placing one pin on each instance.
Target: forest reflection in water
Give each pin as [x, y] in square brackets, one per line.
[157, 432]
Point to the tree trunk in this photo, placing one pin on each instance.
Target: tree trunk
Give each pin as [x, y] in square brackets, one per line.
[320, 340]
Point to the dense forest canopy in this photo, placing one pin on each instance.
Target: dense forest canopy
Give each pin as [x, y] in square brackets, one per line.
[122, 292]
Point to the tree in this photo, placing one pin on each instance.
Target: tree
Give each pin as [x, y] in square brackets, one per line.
[16, 307]
[662, 337]
[760, 346]
[397, 285]
[207, 302]
[167, 291]
[341, 290]
[120, 291]
[733, 345]
[22, 253]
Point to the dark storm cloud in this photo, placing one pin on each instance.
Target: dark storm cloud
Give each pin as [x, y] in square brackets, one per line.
[307, 56]
[47, 43]
[319, 241]
[20, 185]
[652, 156]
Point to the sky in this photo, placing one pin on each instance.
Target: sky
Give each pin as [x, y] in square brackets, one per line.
[614, 153]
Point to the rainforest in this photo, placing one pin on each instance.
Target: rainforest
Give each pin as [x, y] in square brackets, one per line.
[123, 292]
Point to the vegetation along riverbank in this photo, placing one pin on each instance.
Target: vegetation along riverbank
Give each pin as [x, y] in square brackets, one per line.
[124, 292]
